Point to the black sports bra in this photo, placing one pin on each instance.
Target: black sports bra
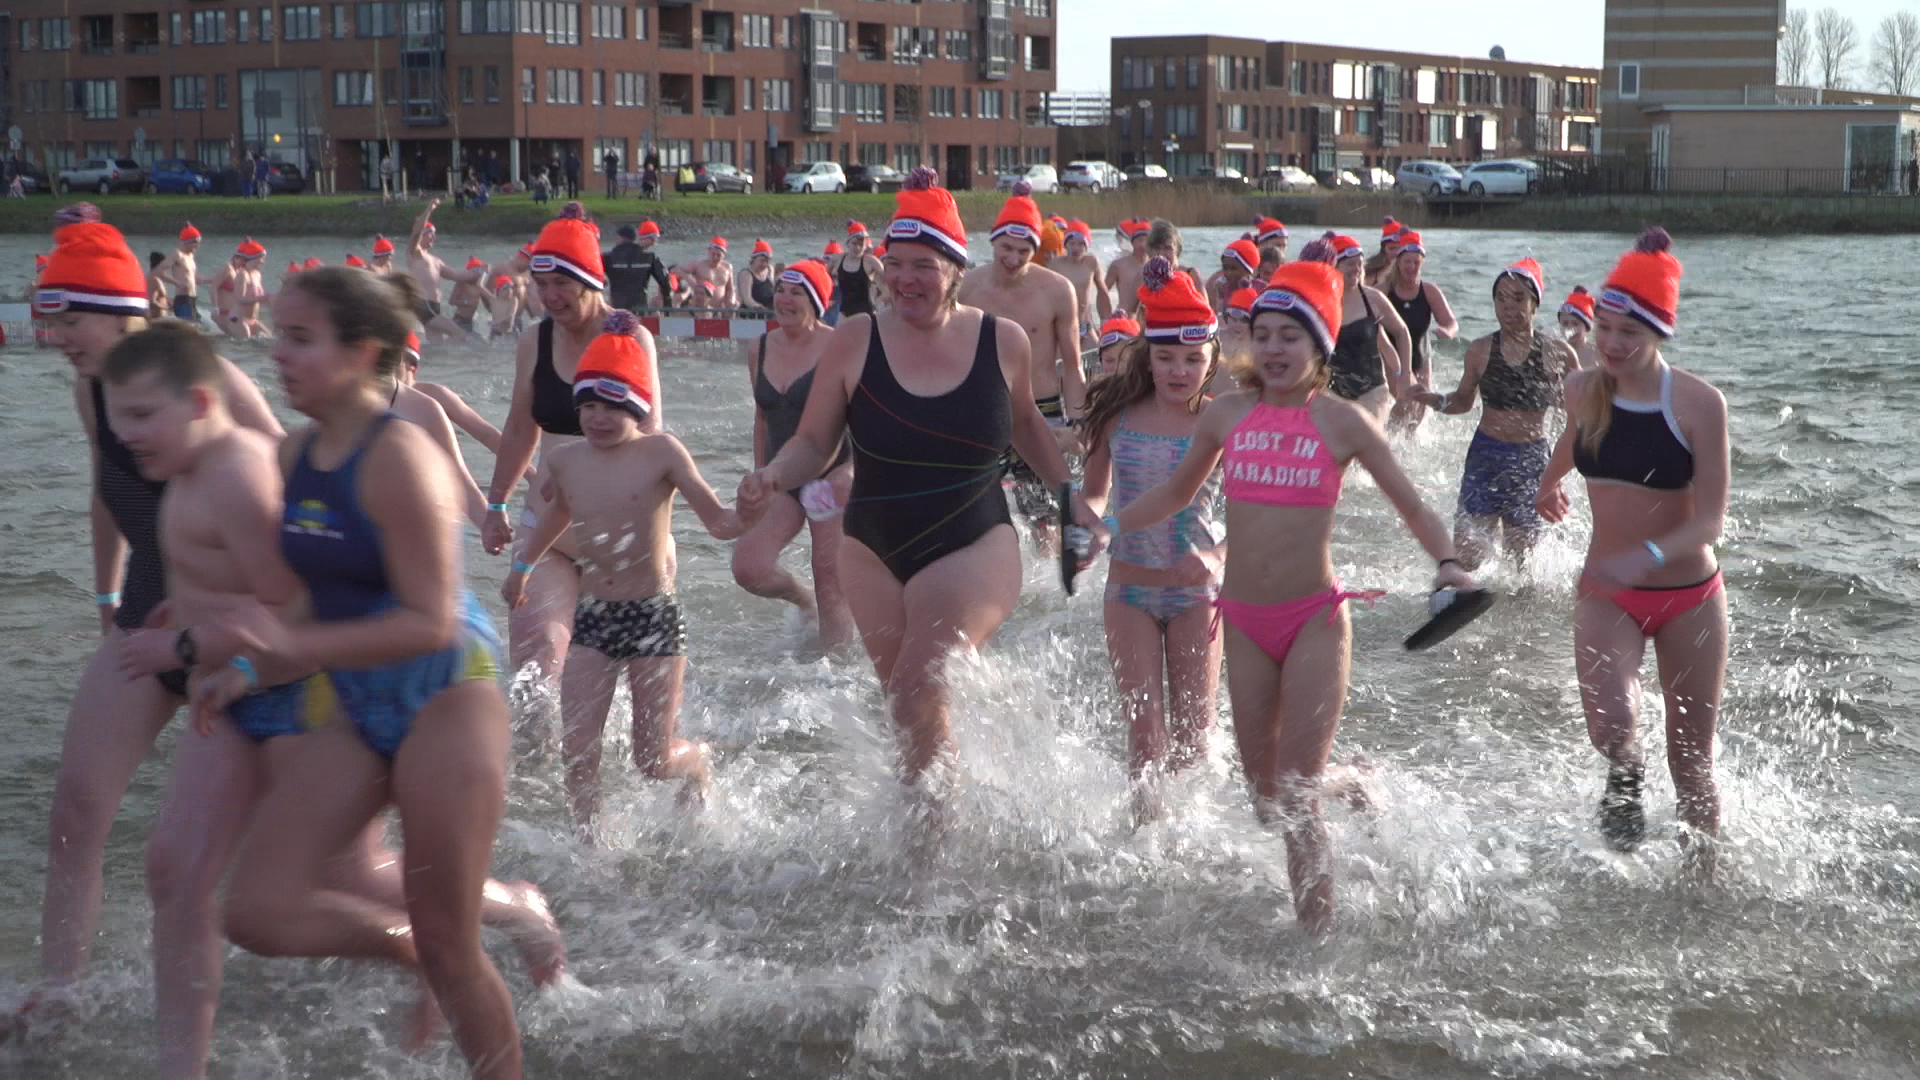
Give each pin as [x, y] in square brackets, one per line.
[552, 395]
[1644, 445]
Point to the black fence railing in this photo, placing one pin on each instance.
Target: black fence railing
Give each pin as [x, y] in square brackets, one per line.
[1566, 178]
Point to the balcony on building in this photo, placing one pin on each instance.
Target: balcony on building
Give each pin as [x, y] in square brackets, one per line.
[716, 95]
[96, 35]
[870, 40]
[716, 31]
[676, 27]
[676, 95]
[143, 96]
[143, 33]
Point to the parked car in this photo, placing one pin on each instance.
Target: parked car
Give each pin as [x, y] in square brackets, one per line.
[1511, 177]
[1287, 178]
[1044, 179]
[284, 178]
[1337, 178]
[33, 178]
[1091, 176]
[807, 177]
[104, 175]
[712, 176]
[1146, 174]
[177, 176]
[874, 178]
[1428, 178]
[1225, 177]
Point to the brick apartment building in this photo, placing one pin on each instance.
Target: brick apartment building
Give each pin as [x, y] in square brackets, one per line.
[1210, 101]
[957, 84]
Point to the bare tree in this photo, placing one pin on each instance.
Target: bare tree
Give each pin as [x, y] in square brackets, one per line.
[1896, 53]
[1835, 37]
[1796, 49]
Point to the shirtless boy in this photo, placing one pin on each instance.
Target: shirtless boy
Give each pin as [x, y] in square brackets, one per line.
[710, 279]
[618, 484]
[1237, 266]
[1013, 286]
[1081, 266]
[1123, 273]
[220, 529]
[245, 287]
[181, 275]
[469, 295]
[382, 255]
[429, 271]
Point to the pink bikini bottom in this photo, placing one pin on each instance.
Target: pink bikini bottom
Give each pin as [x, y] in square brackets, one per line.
[1273, 627]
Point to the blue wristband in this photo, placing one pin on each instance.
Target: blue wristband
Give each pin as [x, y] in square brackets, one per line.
[106, 599]
[245, 667]
[522, 567]
[496, 508]
[1112, 523]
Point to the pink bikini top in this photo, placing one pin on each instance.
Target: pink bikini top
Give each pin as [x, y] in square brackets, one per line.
[1276, 456]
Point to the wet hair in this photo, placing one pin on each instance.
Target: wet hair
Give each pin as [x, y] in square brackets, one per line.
[176, 351]
[1108, 396]
[366, 307]
[1164, 234]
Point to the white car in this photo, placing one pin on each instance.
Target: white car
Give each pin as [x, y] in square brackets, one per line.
[1288, 178]
[1500, 178]
[807, 177]
[1042, 177]
[1093, 176]
[1427, 178]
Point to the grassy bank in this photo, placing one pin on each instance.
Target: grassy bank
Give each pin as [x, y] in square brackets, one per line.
[743, 216]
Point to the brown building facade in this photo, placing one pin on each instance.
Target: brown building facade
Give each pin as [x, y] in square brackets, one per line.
[957, 84]
[1218, 102]
[1692, 52]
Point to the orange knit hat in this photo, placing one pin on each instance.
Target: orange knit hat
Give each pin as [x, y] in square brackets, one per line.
[1267, 229]
[312, 264]
[1646, 283]
[1390, 229]
[1244, 253]
[570, 245]
[189, 233]
[761, 247]
[1410, 241]
[814, 278]
[718, 243]
[475, 261]
[925, 213]
[382, 246]
[249, 249]
[1528, 272]
[1019, 216]
[1174, 311]
[413, 348]
[854, 229]
[293, 268]
[614, 369]
[649, 228]
[1117, 329]
[1309, 292]
[1081, 228]
[834, 248]
[1344, 247]
[1579, 304]
[91, 269]
[1241, 302]
[356, 261]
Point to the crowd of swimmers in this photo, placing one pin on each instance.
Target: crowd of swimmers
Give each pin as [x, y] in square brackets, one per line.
[302, 593]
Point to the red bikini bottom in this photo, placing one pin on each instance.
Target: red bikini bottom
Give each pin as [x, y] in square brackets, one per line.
[1654, 607]
[1274, 627]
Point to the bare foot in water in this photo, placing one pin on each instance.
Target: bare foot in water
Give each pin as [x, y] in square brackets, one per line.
[529, 923]
[425, 1025]
[699, 776]
[1149, 800]
[47, 1011]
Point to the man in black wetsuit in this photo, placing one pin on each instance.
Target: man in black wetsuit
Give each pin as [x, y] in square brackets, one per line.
[631, 264]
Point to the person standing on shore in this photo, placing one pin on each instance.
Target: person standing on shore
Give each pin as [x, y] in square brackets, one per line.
[610, 164]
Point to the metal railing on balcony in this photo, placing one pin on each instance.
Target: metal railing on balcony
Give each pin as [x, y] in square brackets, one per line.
[719, 43]
[715, 108]
[675, 107]
[669, 40]
[143, 46]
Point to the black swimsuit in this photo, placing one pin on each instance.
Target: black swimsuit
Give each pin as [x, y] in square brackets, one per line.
[761, 291]
[134, 503]
[856, 290]
[926, 477]
[1355, 363]
[781, 409]
[553, 406]
[1417, 313]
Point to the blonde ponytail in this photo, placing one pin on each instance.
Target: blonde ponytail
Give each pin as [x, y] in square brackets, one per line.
[1593, 414]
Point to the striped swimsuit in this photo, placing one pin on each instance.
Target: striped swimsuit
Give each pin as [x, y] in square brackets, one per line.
[1140, 463]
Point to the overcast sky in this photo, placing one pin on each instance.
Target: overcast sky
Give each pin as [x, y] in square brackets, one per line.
[1543, 31]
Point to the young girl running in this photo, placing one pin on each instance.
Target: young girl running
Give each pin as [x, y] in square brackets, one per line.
[1285, 447]
[1162, 581]
[1652, 444]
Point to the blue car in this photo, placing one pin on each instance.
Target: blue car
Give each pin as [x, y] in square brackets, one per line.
[173, 176]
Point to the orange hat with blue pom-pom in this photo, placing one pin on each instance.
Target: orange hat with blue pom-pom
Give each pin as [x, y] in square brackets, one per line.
[1173, 311]
[614, 368]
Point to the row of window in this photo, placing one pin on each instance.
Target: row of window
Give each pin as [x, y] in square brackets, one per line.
[99, 99]
[1356, 81]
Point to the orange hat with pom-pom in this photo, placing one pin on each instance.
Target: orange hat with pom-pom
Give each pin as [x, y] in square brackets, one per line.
[834, 248]
[1079, 228]
[1241, 302]
[382, 246]
[1244, 253]
[925, 213]
[1344, 247]
[250, 249]
[293, 268]
[1174, 312]
[1309, 292]
[1268, 229]
[189, 233]
[1410, 242]
[1527, 272]
[854, 229]
[1117, 329]
[814, 278]
[91, 269]
[475, 261]
[570, 245]
[501, 281]
[1019, 216]
[1579, 304]
[413, 348]
[761, 247]
[1646, 283]
[649, 228]
[312, 264]
[356, 261]
[1390, 229]
[614, 368]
